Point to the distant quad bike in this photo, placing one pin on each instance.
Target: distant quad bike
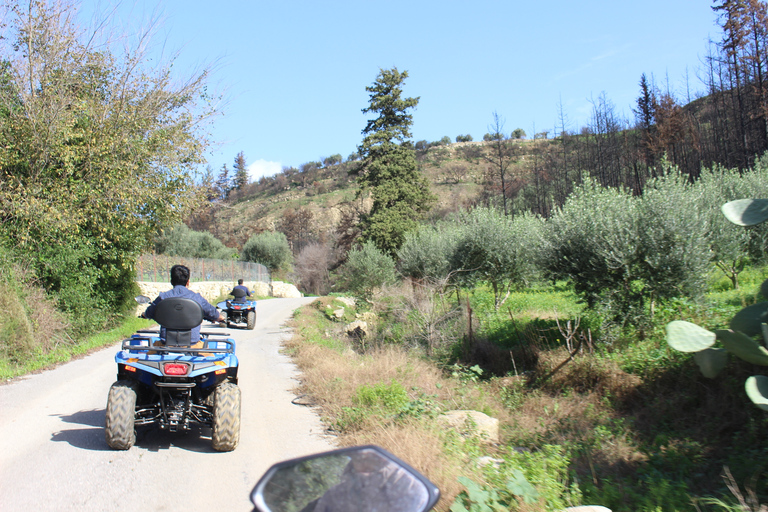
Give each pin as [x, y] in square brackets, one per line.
[239, 310]
[174, 386]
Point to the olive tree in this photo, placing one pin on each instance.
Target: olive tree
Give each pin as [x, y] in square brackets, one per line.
[269, 248]
[496, 249]
[623, 252]
[733, 245]
[728, 242]
[182, 241]
[747, 336]
[591, 242]
[426, 253]
[367, 269]
[673, 247]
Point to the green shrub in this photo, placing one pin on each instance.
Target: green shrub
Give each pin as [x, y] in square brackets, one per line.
[541, 478]
[385, 401]
[427, 252]
[269, 248]
[386, 398]
[182, 241]
[496, 249]
[366, 269]
[641, 250]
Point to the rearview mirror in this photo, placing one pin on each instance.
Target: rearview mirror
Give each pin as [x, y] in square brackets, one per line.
[350, 479]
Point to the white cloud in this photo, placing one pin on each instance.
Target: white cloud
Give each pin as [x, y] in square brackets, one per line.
[261, 168]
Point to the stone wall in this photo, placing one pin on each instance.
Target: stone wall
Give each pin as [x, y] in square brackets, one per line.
[212, 290]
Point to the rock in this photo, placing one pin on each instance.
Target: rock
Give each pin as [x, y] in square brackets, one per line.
[472, 423]
[488, 460]
[339, 313]
[368, 316]
[347, 301]
[587, 508]
[357, 329]
[285, 290]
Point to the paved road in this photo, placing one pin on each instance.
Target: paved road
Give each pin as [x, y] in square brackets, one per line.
[53, 455]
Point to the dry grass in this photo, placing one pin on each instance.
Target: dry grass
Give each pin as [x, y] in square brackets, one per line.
[332, 377]
[582, 416]
[568, 408]
[423, 448]
[31, 323]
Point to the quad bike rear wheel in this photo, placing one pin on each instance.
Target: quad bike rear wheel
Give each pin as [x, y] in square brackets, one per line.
[120, 418]
[226, 417]
[251, 320]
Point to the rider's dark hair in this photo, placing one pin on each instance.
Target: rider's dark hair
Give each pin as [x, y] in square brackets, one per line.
[179, 275]
[239, 281]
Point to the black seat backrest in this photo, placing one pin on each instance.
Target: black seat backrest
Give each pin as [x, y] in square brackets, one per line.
[179, 316]
[239, 294]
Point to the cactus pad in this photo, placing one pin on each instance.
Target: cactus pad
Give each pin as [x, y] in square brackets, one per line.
[711, 361]
[744, 347]
[746, 212]
[757, 390]
[764, 289]
[687, 337]
[749, 319]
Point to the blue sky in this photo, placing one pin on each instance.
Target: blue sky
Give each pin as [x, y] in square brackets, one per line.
[293, 73]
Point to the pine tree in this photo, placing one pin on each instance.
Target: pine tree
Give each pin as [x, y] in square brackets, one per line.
[241, 171]
[388, 168]
[224, 183]
[646, 118]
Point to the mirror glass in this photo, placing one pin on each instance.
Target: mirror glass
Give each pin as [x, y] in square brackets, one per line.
[356, 480]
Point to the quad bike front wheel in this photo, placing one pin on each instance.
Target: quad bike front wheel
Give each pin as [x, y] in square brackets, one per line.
[226, 417]
[251, 320]
[120, 419]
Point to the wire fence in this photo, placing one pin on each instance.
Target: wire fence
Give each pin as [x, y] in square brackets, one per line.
[156, 268]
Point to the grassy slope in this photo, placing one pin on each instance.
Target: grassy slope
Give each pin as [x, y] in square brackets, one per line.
[41, 359]
[455, 179]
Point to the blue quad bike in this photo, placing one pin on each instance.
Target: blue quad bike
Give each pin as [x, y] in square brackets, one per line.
[239, 310]
[173, 386]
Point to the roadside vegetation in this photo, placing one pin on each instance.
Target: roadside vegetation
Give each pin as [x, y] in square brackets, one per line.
[626, 423]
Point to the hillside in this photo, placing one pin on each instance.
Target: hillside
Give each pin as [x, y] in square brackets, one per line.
[458, 174]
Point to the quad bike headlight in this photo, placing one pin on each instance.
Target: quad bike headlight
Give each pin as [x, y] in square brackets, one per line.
[175, 368]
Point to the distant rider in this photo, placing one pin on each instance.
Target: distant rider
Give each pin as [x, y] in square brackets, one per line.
[180, 282]
[240, 286]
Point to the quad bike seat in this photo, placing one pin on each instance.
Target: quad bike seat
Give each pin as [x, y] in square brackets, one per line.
[239, 294]
[178, 316]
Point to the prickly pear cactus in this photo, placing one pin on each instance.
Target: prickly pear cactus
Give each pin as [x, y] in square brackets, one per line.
[687, 337]
[746, 212]
[747, 324]
[743, 347]
[711, 361]
[757, 390]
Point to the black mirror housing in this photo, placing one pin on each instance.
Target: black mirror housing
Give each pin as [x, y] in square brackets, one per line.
[348, 479]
